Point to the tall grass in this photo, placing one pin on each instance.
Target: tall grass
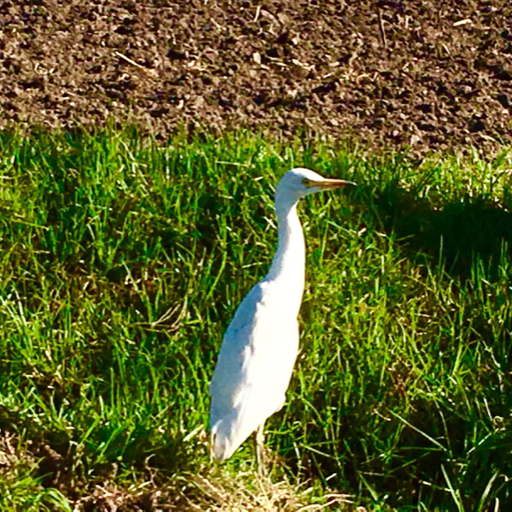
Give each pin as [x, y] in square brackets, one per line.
[122, 261]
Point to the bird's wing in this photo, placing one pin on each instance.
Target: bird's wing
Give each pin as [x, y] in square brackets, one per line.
[254, 367]
[235, 352]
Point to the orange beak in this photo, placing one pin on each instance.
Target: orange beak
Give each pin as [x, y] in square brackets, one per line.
[332, 184]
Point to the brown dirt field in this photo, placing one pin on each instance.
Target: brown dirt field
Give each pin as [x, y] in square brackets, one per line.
[432, 75]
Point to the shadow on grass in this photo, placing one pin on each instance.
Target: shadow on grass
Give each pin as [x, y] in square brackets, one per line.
[72, 462]
[470, 239]
[457, 234]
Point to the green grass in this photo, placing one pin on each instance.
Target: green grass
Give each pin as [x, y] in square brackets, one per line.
[122, 261]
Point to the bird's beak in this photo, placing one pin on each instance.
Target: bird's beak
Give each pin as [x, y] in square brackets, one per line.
[332, 184]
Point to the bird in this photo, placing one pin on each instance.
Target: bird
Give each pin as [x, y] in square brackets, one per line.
[260, 345]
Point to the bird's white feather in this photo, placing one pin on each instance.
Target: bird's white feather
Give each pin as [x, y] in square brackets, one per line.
[254, 367]
[260, 346]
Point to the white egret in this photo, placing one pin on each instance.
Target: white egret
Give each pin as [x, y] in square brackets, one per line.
[260, 346]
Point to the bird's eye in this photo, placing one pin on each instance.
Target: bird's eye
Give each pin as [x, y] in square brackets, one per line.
[306, 182]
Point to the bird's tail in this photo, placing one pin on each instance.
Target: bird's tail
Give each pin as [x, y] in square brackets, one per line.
[228, 434]
[221, 446]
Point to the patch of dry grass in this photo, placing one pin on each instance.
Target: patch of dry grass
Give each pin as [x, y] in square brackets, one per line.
[20, 488]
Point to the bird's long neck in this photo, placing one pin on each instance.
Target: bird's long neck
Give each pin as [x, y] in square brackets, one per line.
[288, 265]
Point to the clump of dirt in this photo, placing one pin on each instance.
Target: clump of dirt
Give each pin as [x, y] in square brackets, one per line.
[432, 75]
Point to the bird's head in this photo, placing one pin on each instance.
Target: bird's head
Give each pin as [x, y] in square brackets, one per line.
[300, 182]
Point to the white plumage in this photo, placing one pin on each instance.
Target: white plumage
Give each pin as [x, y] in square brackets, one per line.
[261, 343]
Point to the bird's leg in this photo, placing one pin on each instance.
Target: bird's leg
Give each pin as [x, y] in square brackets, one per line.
[260, 449]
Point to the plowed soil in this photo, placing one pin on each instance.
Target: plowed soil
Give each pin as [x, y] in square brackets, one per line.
[432, 75]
